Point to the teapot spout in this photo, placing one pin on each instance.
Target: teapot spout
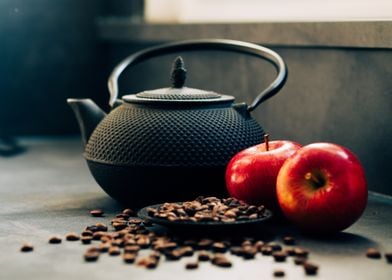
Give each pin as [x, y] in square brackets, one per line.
[88, 115]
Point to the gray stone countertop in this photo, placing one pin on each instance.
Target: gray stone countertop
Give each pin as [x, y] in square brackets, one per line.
[48, 191]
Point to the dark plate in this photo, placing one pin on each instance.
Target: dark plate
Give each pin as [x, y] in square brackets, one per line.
[210, 225]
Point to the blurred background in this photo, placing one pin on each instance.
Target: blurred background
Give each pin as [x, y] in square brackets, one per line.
[339, 57]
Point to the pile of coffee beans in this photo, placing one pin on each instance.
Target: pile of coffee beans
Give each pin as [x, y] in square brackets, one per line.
[127, 236]
[208, 209]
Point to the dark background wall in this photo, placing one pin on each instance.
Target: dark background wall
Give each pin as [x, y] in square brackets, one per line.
[50, 50]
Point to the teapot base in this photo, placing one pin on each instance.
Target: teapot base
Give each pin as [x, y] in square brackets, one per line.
[137, 186]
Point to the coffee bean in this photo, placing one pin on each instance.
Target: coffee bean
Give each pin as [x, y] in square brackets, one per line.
[128, 212]
[279, 256]
[236, 250]
[219, 247]
[148, 262]
[275, 246]
[104, 247]
[72, 236]
[122, 216]
[221, 260]
[300, 252]
[299, 260]
[119, 225]
[155, 254]
[259, 244]
[187, 251]
[373, 253]
[191, 265]
[203, 256]
[101, 227]
[388, 257]
[98, 235]
[55, 240]
[135, 221]
[310, 268]
[87, 233]
[91, 256]
[205, 243]
[131, 249]
[290, 251]
[114, 251]
[279, 273]
[97, 213]
[266, 250]
[288, 240]
[129, 257]
[248, 252]
[27, 247]
[173, 255]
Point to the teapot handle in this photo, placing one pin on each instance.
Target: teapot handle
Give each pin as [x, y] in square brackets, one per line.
[217, 44]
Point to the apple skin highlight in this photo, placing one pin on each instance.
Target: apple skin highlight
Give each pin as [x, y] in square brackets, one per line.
[337, 196]
[251, 174]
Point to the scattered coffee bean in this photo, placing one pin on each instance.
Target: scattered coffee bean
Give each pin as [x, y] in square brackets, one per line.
[97, 213]
[205, 243]
[128, 212]
[310, 268]
[104, 247]
[27, 247]
[114, 251]
[219, 247]
[131, 249]
[55, 240]
[129, 257]
[290, 251]
[266, 250]
[87, 233]
[288, 240]
[148, 262]
[91, 255]
[274, 246]
[300, 252]
[72, 236]
[373, 253]
[388, 257]
[135, 221]
[279, 273]
[299, 260]
[86, 239]
[101, 227]
[191, 265]
[203, 256]
[156, 255]
[279, 256]
[221, 260]
[248, 252]
[259, 244]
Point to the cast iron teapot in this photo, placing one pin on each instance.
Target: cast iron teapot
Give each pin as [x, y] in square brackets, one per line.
[174, 143]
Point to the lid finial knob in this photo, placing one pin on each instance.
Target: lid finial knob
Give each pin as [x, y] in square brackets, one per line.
[178, 73]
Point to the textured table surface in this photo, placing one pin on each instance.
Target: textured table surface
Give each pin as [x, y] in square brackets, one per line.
[48, 190]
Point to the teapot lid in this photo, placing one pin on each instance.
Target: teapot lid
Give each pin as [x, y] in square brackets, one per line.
[177, 93]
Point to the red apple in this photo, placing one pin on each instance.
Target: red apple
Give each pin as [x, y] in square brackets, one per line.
[251, 174]
[322, 188]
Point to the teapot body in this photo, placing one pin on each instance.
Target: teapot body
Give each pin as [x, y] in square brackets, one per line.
[170, 144]
[143, 154]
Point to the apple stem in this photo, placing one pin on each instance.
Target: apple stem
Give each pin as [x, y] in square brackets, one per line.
[266, 141]
[311, 177]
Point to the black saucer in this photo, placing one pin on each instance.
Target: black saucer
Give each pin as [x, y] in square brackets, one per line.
[204, 225]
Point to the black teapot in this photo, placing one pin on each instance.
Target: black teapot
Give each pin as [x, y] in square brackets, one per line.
[174, 143]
